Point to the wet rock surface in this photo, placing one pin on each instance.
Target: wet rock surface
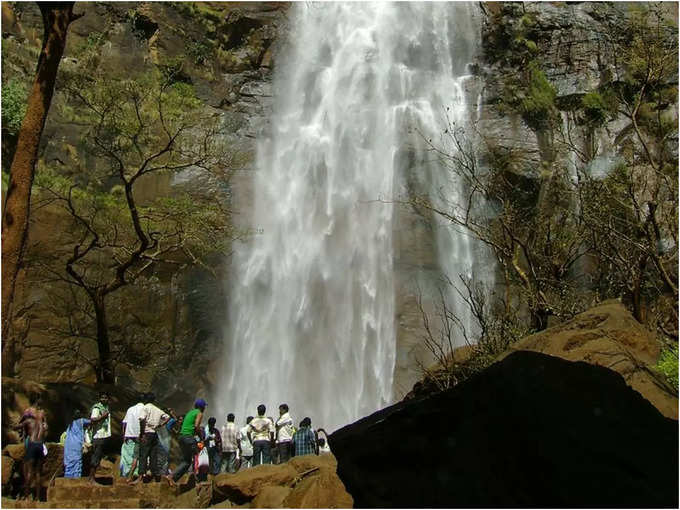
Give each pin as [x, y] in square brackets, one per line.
[531, 431]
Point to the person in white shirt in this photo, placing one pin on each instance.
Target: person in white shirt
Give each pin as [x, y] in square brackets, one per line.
[230, 443]
[150, 418]
[164, 439]
[323, 446]
[213, 442]
[323, 441]
[284, 434]
[261, 430]
[245, 447]
[129, 452]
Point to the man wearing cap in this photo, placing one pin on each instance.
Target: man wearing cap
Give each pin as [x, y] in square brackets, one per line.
[191, 426]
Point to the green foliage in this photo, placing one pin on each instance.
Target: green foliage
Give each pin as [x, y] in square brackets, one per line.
[94, 40]
[14, 102]
[650, 44]
[199, 51]
[512, 38]
[89, 52]
[594, 108]
[172, 70]
[668, 365]
[135, 127]
[199, 10]
[538, 105]
[5, 182]
[203, 13]
[138, 115]
[202, 223]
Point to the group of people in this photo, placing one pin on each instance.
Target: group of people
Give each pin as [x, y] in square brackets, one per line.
[263, 440]
[147, 430]
[205, 449]
[260, 441]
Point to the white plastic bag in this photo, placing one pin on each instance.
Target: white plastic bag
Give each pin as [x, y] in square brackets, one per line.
[203, 458]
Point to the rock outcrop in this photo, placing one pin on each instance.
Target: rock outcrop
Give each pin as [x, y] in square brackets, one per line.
[530, 431]
[608, 335]
[309, 481]
[304, 482]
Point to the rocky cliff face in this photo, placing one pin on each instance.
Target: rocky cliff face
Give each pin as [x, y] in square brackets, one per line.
[567, 42]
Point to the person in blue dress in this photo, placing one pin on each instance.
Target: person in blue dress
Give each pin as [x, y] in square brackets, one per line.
[73, 446]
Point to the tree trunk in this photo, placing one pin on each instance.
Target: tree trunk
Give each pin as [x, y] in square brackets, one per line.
[56, 19]
[636, 291]
[105, 371]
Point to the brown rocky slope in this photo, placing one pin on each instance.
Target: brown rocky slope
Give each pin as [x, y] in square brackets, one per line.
[608, 336]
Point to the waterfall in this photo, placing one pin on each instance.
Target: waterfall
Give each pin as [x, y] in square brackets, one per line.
[312, 307]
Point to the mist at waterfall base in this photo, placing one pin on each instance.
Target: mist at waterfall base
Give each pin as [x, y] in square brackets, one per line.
[312, 296]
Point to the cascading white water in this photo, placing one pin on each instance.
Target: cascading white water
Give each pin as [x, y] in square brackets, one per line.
[312, 308]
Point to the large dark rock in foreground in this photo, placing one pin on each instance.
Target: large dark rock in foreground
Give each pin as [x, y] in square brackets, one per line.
[530, 431]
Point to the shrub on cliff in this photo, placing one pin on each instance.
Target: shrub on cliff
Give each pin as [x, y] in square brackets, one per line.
[538, 105]
[668, 365]
[14, 101]
[14, 96]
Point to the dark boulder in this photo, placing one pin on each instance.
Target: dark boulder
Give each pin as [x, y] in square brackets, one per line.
[530, 431]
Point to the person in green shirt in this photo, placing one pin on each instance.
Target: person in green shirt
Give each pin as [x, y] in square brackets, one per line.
[191, 426]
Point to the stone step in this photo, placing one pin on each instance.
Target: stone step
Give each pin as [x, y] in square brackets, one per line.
[86, 492]
[22, 503]
[77, 503]
[104, 481]
[149, 493]
[101, 503]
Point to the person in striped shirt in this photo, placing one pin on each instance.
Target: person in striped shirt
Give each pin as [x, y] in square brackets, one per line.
[229, 444]
[304, 439]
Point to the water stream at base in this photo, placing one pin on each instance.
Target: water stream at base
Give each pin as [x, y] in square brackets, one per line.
[312, 308]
